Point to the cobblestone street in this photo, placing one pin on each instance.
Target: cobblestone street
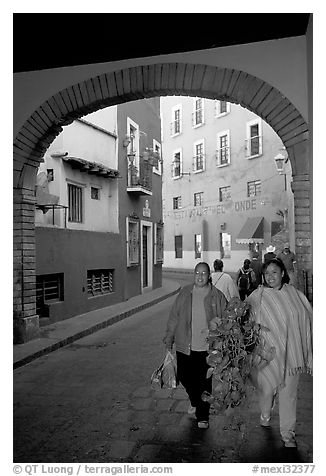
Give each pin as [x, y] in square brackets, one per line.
[91, 401]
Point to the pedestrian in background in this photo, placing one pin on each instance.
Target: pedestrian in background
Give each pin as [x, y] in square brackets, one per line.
[187, 327]
[223, 281]
[289, 260]
[256, 265]
[245, 280]
[287, 315]
[270, 253]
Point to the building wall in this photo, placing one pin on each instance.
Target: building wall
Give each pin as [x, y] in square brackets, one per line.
[145, 113]
[83, 141]
[214, 216]
[74, 252]
[99, 242]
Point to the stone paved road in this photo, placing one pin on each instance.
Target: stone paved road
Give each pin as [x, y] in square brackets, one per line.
[92, 402]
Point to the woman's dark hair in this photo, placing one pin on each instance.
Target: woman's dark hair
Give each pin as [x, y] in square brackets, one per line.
[246, 263]
[218, 265]
[208, 269]
[280, 264]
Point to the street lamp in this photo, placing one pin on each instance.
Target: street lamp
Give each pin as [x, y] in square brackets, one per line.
[280, 161]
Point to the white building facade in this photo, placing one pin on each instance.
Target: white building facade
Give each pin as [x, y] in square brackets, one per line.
[222, 194]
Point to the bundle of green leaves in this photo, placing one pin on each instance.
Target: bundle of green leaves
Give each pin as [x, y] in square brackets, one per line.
[236, 350]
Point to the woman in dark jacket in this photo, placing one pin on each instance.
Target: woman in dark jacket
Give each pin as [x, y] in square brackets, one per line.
[195, 306]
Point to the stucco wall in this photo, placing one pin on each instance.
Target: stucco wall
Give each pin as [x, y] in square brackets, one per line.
[73, 253]
[146, 113]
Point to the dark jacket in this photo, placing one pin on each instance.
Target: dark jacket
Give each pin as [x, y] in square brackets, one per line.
[257, 266]
[179, 322]
[268, 256]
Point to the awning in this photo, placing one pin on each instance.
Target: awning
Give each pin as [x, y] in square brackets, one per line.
[91, 167]
[252, 231]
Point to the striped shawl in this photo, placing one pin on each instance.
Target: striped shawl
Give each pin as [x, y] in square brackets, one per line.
[287, 314]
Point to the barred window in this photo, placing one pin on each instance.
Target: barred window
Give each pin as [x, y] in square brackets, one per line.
[99, 281]
[75, 203]
[49, 288]
[254, 188]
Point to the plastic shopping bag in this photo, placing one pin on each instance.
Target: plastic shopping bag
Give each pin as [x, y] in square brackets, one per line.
[165, 376]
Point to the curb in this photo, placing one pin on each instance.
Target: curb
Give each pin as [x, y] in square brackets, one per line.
[90, 330]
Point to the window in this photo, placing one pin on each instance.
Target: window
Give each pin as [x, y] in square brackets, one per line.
[99, 281]
[177, 165]
[198, 246]
[198, 199]
[178, 246]
[199, 157]
[132, 231]
[95, 193]
[75, 203]
[176, 203]
[223, 148]
[133, 152]
[224, 194]
[176, 120]
[225, 245]
[157, 169]
[254, 143]
[198, 114]
[158, 243]
[49, 288]
[254, 188]
[50, 175]
[221, 108]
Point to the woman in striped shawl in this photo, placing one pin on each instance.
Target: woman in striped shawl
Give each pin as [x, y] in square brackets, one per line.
[287, 315]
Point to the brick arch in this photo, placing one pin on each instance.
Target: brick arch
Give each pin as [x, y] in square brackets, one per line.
[130, 84]
[140, 82]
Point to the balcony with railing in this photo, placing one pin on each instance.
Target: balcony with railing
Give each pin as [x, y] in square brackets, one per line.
[140, 172]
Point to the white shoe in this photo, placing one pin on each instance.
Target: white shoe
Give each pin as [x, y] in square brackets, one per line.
[203, 425]
[265, 420]
[289, 440]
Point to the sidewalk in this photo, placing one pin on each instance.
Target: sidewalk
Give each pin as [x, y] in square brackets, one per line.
[65, 332]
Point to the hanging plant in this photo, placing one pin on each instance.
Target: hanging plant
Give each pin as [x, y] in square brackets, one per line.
[237, 350]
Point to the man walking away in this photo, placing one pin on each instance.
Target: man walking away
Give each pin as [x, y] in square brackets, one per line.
[257, 266]
[270, 253]
[289, 260]
[245, 279]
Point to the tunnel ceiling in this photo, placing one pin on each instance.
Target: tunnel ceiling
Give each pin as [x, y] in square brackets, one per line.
[69, 39]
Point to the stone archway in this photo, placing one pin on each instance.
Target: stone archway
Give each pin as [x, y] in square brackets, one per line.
[130, 84]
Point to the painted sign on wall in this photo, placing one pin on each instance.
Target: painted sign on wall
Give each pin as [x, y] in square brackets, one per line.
[220, 209]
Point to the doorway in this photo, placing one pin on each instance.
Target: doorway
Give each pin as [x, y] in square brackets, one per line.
[146, 256]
